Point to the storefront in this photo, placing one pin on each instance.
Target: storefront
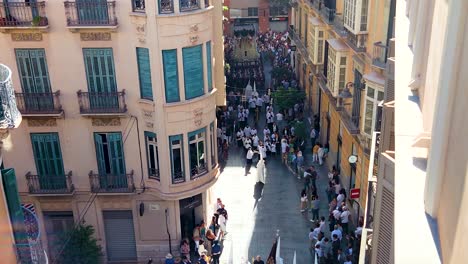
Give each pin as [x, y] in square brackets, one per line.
[191, 214]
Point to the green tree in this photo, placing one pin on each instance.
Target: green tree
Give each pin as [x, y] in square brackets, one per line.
[287, 98]
[300, 129]
[81, 248]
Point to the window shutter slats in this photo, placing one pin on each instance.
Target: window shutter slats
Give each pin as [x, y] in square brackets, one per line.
[193, 71]
[171, 75]
[144, 73]
[209, 66]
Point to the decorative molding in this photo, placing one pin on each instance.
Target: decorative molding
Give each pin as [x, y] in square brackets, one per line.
[149, 124]
[106, 121]
[194, 28]
[95, 36]
[26, 36]
[193, 39]
[147, 114]
[141, 32]
[42, 122]
[198, 116]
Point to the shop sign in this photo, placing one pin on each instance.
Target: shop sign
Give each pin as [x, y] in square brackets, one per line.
[355, 193]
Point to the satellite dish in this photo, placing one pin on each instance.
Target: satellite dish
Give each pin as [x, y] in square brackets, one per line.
[352, 159]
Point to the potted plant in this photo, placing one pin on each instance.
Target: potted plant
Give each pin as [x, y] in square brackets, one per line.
[40, 21]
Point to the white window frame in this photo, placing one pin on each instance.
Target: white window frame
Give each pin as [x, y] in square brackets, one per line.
[334, 69]
[153, 143]
[312, 46]
[353, 15]
[199, 137]
[375, 101]
[173, 147]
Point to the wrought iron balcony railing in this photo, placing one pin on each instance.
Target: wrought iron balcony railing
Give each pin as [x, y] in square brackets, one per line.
[166, 6]
[90, 14]
[328, 15]
[338, 25]
[189, 5]
[10, 117]
[138, 6]
[102, 103]
[178, 177]
[23, 14]
[379, 56]
[357, 42]
[198, 171]
[39, 103]
[154, 174]
[50, 184]
[111, 183]
[317, 5]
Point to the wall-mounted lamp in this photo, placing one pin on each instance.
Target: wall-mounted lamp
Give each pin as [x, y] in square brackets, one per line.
[142, 208]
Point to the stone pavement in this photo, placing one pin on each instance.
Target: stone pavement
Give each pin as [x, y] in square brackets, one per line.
[256, 215]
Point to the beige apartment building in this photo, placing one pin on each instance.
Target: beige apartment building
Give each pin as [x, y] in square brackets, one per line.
[119, 128]
[340, 61]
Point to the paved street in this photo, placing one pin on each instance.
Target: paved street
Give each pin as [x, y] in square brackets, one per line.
[254, 218]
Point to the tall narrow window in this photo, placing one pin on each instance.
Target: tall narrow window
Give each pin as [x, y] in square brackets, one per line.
[171, 75]
[144, 73]
[213, 145]
[373, 97]
[209, 67]
[177, 158]
[193, 71]
[166, 6]
[252, 11]
[111, 160]
[197, 149]
[152, 155]
[48, 159]
[138, 6]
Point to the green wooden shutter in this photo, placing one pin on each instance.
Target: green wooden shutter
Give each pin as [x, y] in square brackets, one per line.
[144, 73]
[193, 71]
[48, 158]
[100, 154]
[100, 70]
[171, 75]
[92, 12]
[32, 67]
[117, 160]
[209, 59]
[14, 204]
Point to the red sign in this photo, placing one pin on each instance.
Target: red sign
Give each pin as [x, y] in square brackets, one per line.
[354, 193]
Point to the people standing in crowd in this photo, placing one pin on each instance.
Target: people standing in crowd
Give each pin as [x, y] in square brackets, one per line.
[216, 252]
[315, 153]
[315, 206]
[303, 201]
[258, 260]
[185, 248]
[248, 160]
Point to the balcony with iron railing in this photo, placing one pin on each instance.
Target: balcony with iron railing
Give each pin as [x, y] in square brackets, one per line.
[111, 183]
[338, 26]
[317, 5]
[327, 14]
[10, 117]
[198, 171]
[189, 5]
[50, 184]
[166, 6]
[39, 104]
[379, 55]
[28, 14]
[102, 103]
[91, 14]
[356, 42]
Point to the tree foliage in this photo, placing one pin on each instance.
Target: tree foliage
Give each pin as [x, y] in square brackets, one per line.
[82, 247]
[300, 129]
[287, 98]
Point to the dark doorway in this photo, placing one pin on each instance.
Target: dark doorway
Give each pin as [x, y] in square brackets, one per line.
[191, 213]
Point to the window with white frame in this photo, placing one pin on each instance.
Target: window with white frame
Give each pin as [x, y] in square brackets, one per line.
[213, 145]
[312, 44]
[373, 97]
[152, 154]
[355, 15]
[336, 71]
[177, 158]
[197, 150]
[320, 46]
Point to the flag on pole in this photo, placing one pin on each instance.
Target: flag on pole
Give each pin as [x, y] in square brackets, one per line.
[277, 256]
[272, 257]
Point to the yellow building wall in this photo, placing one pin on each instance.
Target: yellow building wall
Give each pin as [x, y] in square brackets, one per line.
[7, 252]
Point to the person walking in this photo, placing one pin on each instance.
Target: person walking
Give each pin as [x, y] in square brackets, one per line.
[315, 153]
[216, 252]
[261, 171]
[303, 201]
[315, 206]
[320, 153]
[344, 217]
[258, 260]
[312, 135]
[248, 160]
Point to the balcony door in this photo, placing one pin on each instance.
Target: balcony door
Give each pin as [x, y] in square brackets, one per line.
[92, 12]
[34, 76]
[49, 164]
[110, 160]
[100, 74]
